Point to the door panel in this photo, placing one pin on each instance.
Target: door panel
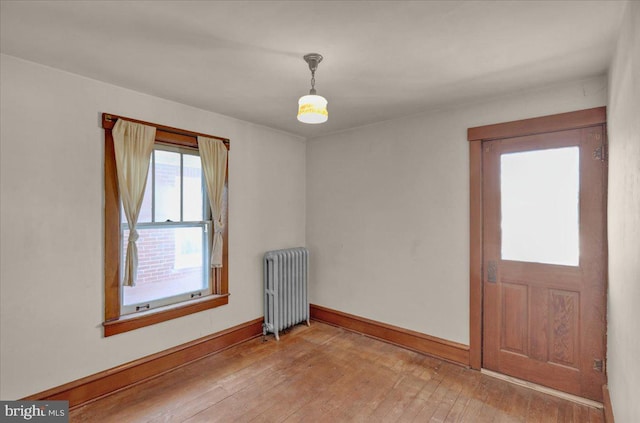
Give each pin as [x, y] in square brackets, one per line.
[515, 309]
[544, 259]
[563, 342]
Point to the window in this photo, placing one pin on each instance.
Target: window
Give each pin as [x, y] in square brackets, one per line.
[174, 228]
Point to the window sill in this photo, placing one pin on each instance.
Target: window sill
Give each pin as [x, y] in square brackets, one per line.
[162, 314]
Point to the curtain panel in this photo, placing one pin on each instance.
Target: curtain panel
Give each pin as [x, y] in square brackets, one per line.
[133, 144]
[213, 155]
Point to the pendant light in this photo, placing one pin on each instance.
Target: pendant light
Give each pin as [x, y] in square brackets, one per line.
[312, 108]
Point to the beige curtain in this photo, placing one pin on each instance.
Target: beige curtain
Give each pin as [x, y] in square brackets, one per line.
[213, 155]
[133, 145]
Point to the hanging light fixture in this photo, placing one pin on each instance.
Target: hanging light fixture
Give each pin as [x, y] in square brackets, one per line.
[312, 108]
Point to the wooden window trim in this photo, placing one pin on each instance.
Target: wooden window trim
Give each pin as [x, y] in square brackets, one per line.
[113, 322]
[475, 136]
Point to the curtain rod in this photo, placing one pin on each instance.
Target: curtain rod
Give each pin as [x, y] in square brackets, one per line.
[109, 120]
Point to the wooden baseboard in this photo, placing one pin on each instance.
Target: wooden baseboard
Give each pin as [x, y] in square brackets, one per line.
[415, 341]
[606, 402]
[91, 388]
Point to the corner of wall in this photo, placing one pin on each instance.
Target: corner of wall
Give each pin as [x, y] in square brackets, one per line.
[623, 315]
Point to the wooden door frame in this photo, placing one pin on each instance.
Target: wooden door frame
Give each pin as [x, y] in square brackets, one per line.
[476, 136]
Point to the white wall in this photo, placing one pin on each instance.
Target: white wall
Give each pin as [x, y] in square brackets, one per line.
[51, 280]
[388, 210]
[623, 346]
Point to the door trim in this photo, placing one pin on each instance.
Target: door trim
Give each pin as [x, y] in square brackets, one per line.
[475, 136]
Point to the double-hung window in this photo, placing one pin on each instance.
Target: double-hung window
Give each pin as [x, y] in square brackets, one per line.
[175, 229]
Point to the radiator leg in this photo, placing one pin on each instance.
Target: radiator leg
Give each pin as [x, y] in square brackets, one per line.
[308, 324]
[276, 334]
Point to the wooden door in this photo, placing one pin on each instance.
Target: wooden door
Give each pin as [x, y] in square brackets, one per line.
[544, 259]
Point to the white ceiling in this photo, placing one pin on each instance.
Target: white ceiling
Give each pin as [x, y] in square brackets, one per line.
[382, 59]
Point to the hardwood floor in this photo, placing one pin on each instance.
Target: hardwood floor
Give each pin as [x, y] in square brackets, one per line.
[326, 374]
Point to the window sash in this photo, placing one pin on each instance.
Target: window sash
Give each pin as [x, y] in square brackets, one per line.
[206, 209]
[207, 288]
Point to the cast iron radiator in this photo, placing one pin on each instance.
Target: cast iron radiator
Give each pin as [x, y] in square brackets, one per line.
[286, 300]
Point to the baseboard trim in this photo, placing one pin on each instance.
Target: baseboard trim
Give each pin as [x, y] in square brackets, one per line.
[543, 389]
[606, 402]
[99, 385]
[430, 345]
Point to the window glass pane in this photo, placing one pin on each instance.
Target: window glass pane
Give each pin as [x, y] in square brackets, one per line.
[540, 206]
[145, 210]
[192, 188]
[167, 186]
[188, 248]
[171, 261]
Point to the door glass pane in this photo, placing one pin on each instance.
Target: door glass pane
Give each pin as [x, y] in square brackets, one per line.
[540, 205]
